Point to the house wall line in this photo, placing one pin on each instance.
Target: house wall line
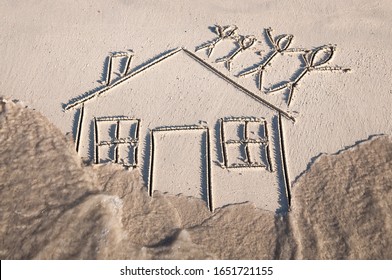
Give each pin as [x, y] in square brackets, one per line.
[96, 141]
[135, 155]
[284, 163]
[209, 175]
[79, 128]
[117, 137]
[152, 149]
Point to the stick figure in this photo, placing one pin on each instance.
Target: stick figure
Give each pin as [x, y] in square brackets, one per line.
[245, 42]
[280, 45]
[313, 60]
[225, 32]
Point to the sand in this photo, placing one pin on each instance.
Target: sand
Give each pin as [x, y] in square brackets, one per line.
[251, 113]
[55, 207]
[53, 53]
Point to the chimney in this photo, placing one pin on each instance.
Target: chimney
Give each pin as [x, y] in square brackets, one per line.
[122, 60]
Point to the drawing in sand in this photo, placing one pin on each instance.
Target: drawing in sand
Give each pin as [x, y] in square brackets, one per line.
[312, 59]
[223, 32]
[244, 42]
[202, 135]
[280, 45]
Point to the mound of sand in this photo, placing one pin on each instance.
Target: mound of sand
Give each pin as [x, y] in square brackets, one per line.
[54, 207]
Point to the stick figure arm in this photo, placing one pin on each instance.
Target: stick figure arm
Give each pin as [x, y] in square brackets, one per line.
[275, 89]
[229, 57]
[332, 69]
[250, 71]
[269, 36]
[296, 50]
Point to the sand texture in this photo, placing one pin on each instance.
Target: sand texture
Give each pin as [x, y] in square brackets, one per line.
[342, 205]
[223, 100]
[54, 207]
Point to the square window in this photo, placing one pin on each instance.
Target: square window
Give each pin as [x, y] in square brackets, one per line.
[117, 140]
[245, 142]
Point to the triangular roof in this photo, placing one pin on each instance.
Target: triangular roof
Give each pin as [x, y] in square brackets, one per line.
[90, 95]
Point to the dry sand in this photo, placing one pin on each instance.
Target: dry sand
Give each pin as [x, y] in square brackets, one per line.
[54, 207]
[55, 51]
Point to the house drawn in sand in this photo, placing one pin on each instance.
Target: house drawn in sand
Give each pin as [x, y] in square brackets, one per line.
[199, 133]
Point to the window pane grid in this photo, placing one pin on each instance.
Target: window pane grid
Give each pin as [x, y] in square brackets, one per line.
[246, 141]
[117, 142]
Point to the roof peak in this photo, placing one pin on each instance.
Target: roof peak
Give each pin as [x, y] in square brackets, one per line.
[163, 56]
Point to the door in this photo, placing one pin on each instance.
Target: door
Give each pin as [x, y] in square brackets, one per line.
[180, 161]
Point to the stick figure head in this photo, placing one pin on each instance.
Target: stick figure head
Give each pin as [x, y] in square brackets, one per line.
[319, 56]
[247, 41]
[282, 42]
